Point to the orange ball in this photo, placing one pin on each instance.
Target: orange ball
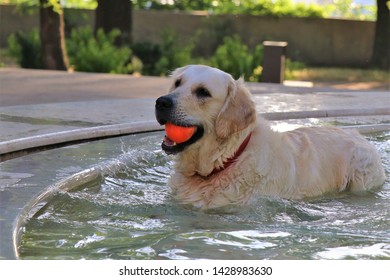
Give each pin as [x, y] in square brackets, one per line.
[179, 134]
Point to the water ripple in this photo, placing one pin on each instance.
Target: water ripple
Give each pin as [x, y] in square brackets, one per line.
[128, 213]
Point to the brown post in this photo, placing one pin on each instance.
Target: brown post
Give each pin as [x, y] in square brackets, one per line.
[273, 62]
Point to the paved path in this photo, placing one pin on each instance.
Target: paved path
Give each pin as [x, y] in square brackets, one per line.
[24, 87]
[34, 102]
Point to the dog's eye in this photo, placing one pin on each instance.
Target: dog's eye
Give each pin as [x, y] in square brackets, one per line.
[177, 83]
[202, 92]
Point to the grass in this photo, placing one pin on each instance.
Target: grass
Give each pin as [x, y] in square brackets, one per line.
[348, 75]
[342, 78]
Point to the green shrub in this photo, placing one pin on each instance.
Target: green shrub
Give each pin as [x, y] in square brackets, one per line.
[98, 54]
[149, 53]
[173, 54]
[291, 67]
[235, 58]
[26, 48]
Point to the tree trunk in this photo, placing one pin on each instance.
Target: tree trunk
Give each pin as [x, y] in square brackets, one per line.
[381, 52]
[52, 35]
[111, 14]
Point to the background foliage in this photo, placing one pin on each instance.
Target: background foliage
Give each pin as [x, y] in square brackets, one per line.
[348, 9]
[26, 48]
[98, 53]
[89, 53]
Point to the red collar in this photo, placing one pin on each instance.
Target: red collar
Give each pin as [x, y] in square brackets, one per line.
[233, 158]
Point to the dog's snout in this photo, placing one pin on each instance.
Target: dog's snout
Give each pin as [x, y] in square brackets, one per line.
[164, 109]
[163, 103]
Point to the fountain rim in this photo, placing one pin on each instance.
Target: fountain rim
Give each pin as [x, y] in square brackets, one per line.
[23, 146]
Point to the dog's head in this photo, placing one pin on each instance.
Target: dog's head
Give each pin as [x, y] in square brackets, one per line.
[209, 100]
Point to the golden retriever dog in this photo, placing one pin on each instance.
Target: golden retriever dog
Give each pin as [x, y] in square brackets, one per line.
[234, 156]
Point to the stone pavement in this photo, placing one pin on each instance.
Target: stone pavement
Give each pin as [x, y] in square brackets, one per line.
[35, 102]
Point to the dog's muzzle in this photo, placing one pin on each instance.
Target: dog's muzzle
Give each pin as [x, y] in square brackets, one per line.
[165, 112]
[163, 109]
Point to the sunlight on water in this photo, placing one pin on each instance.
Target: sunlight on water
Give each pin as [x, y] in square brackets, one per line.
[376, 250]
[129, 214]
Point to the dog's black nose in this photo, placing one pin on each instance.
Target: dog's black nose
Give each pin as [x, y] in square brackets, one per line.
[164, 102]
[164, 108]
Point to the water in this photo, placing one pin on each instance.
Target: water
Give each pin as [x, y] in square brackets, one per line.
[128, 213]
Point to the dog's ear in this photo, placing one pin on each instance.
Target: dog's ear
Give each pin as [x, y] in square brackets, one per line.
[238, 111]
[178, 71]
